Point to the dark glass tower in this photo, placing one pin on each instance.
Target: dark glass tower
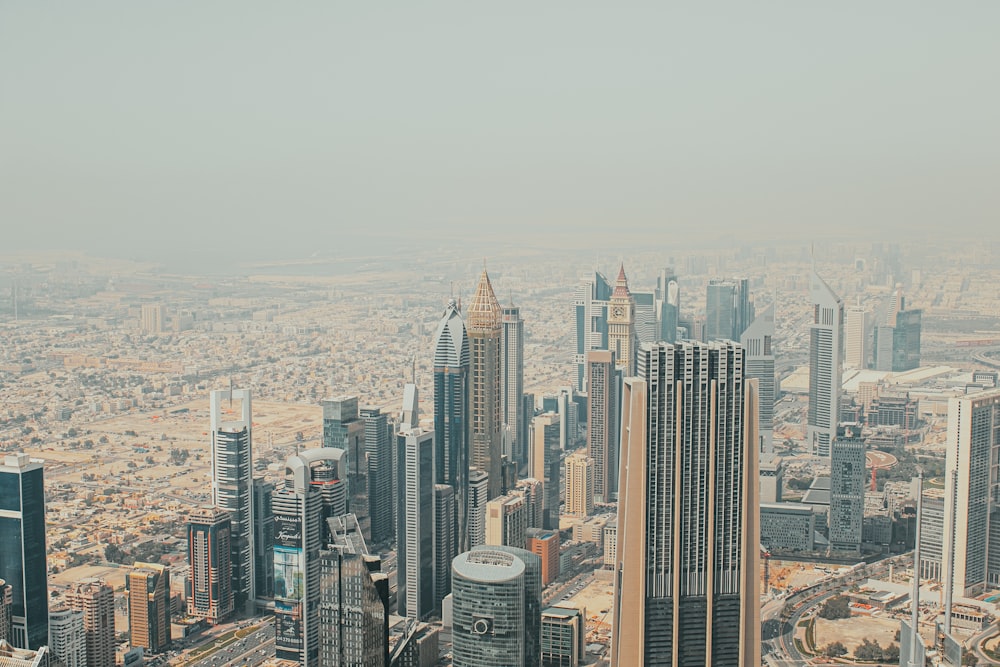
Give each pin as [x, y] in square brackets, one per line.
[378, 448]
[22, 549]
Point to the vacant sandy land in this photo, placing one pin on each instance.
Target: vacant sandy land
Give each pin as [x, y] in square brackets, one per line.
[850, 631]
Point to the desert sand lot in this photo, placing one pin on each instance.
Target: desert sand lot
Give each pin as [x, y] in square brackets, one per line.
[850, 631]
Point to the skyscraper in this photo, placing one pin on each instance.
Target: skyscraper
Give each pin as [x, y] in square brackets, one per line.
[478, 497]
[512, 381]
[602, 427]
[686, 573]
[232, 485]
[147, 588]
[497, 607]
[506, 521]
[353, 597]
[906, 341]
[544, 465]
[314, 489]
[621, 323]
[451, 412]
[210, 590]
[757, 342]
[344, 429]
[728, 309]
[415, 532]
[66, 637]
[847, 492]
[263, 537]
[590, 309]
[378, 450]
[826, 351]
[445, 540]
[483, 325]
[22, 549]
[856, 337]
[579, 485]
[96, 600]
[668, 300]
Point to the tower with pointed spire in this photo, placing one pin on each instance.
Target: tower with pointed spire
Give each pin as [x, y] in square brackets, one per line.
[483, 322]
[826, 362]
[621, 323]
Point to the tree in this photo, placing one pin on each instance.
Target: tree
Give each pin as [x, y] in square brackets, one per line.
[970, 660]
[891, 653]
[868, 650]
[835, 650]
[836, 607]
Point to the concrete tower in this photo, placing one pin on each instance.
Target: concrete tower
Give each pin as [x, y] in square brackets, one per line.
[826, 353]
[210, 591]
[484, 318]
[621, 324]
[590, 310]
[97, 602]
[147, 588]
[757, 340]
[602, 426]
[512, 382]
[686, 569]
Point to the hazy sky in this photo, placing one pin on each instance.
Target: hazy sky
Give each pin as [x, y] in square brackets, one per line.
[149, 128]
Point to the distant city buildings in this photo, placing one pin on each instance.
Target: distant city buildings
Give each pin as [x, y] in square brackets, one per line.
[826, 349]
[728, 309]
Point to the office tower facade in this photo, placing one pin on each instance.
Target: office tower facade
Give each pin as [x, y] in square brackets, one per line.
[451, 412]
[66, 637]
[932, 534]
[344, 429]
[579, 485]
[856, 337]
[22, 549]
[378, 451]
[847, 492]
[353, 611]
[826, 349]
[602, 426]
[531, 490]
[483, 325]
[445, 541]
[313, 490]
[512, 382]
[590, 311]
[478, 497]
[621, 324]
[906, 340]
[686, 562]
[972, 515]
[506, 521]
[757, 341]
[16, 657]
[728, 309]
[496, 608]
[545, 544]
[6, 611]
[415, 544]
[210, 591]
[545, 463]
[147, 588]
[96, 600]
[883, 347]
[563, 633]
[647, 328]
[232, 484]
[668, 299]
[263, 538]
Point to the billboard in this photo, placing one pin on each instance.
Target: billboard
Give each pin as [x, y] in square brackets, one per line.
[288, 530]
[288, 628]
[289, 578]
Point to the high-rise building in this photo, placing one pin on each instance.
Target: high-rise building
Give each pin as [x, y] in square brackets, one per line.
[972, 513]
[147, 588]
[512, 382]
[531, 490]
[826, 350]
[728, 309]
[757, 341]
[67, 640]
[579, 485]
[621, 323]
[478, 497]
[96, 600]
[847, 492]
[932, 534]
[483, 324]
[17, 657]
[668, 299]
[263, 538]
[314, 490]
[602, 427]
[415, 532]
[22, 549]
[906, 341]
[590, 308]
[6, 602]
[686, 563]
[496, 607]
[856, 337]
[445, 541]
[210, 590]
[378, 450]
[353, 611]
[564, 632]
[647, 327]
[153, 318]
[506, 521]
[544, 464]
[344, 429]
[451, 413]
[545, 544]
[232, 484]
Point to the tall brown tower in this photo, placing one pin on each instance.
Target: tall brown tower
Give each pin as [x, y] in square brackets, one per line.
[483, 323]
[97, 602]
[621, 324]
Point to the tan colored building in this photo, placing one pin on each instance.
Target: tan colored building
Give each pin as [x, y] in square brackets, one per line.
[97, 602]
[483, 325]
[147, 587]
[545, 544]
[579, 485]
[621, 324]
[506, 521]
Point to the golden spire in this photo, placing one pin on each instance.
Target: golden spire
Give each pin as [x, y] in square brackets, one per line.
[484, 312]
